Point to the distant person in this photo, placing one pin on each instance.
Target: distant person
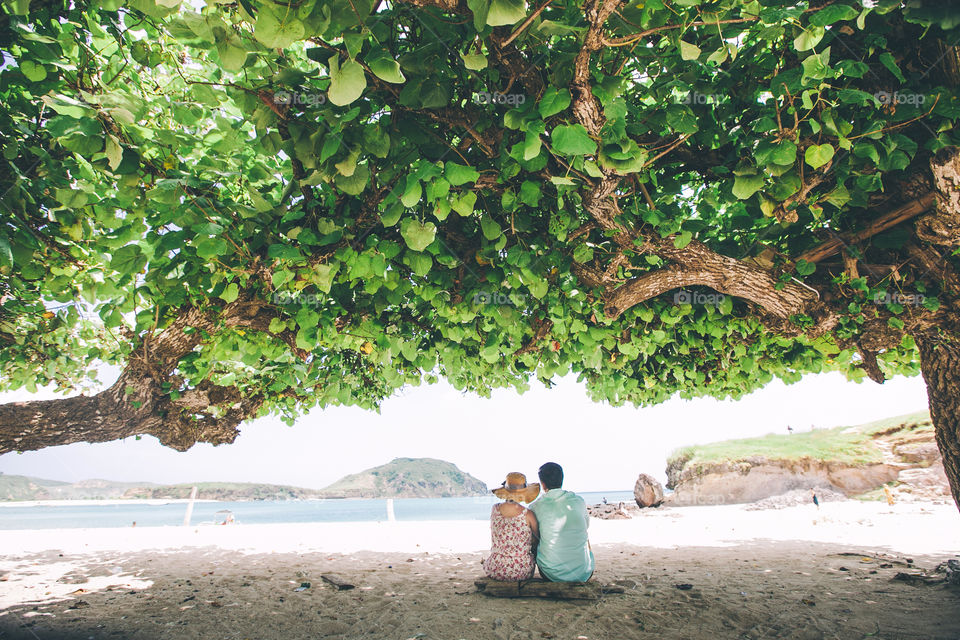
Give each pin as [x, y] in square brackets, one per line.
[564, 553]
[816, 501]
[888, 494]
[789, 430]
[513, 531]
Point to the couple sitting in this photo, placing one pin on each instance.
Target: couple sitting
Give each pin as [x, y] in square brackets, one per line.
[551, 534]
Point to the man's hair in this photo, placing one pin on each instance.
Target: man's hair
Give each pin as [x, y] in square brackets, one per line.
[551, 475]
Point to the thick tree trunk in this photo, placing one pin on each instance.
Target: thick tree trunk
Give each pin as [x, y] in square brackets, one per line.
[940, 364]
[109, 415]
[135, 404]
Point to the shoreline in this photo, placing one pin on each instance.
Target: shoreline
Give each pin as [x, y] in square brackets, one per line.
[918, 528]
[100, 502]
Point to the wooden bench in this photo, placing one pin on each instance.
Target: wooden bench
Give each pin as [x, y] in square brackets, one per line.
[539, 588]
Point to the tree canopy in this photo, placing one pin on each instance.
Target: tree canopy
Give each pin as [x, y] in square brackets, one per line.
[261, 207]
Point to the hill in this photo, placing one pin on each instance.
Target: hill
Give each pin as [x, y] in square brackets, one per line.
[408, 478]
[853, 460]
[401, 478]
[224, 491]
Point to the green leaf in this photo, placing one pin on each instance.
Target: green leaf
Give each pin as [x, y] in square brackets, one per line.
[458, 174]
[230, 293]
[355, 184]
[128, 260]
[818, 155]
[233, 55]
[746, 186]
[506, 12]
[276, 27]
[464, 204]
[34, 72]
[347, 82]
[412, 194]
[583, 253]
[809, 39]
[887, 60]
[554, 101]
[480, 9]
[689, 51]
[681, 119]
[833, 13]
[474, 61]
[805, 268]
[816, 66]
[572, 140]
[384, 66]
[682, 239]
[491, 230]
[784, 153]
[418, 235]
[726, 305]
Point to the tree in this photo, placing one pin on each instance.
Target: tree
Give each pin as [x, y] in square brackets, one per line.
[260, 207]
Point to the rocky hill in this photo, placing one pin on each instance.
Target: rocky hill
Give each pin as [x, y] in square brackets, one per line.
[408, 478]
[225, 491]
[14, 487]
[401, 478]
[856, 461]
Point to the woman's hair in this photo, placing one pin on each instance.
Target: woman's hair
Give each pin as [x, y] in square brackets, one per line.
[551, 475]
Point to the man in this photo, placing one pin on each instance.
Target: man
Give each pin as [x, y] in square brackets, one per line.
[563, 554]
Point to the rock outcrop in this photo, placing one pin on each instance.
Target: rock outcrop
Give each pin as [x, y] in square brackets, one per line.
[902, 454]
[648, 492]
[757, 478]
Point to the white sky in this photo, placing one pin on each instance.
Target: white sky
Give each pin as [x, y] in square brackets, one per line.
[601, 448]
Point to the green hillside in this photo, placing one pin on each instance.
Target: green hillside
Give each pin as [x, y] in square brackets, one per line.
[401, 478]
[225, 491]
[408, 478]
[26, 488]
[845, 444]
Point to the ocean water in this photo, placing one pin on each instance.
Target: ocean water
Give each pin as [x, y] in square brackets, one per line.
[91, 514]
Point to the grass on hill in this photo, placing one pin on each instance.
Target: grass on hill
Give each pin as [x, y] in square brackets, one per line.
[850, 445]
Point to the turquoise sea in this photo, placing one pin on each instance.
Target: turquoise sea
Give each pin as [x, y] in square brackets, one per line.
[91, 514]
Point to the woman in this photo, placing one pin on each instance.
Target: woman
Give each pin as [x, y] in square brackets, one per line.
[513, 530]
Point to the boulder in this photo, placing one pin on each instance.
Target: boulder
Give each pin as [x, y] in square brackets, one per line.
[648, 492]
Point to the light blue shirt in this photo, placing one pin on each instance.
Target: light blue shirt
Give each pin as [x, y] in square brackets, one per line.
[563, 554]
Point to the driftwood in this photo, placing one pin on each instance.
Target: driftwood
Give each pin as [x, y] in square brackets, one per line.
[337, 581]
[537, 588]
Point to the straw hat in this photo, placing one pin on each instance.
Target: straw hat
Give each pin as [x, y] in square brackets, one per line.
[515, 488]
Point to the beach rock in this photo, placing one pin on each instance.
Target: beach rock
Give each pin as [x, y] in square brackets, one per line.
[618, 511]
[647, 492]
[795, 498]
[952, 570]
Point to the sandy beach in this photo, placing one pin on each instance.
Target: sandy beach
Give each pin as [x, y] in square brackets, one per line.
[796, 572]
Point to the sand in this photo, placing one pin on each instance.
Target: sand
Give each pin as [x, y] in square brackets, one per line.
[787, 573]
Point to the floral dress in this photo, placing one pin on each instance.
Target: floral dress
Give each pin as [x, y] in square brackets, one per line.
[511, 557]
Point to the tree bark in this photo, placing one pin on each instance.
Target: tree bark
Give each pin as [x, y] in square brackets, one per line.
[940, 365]
[137, 403]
